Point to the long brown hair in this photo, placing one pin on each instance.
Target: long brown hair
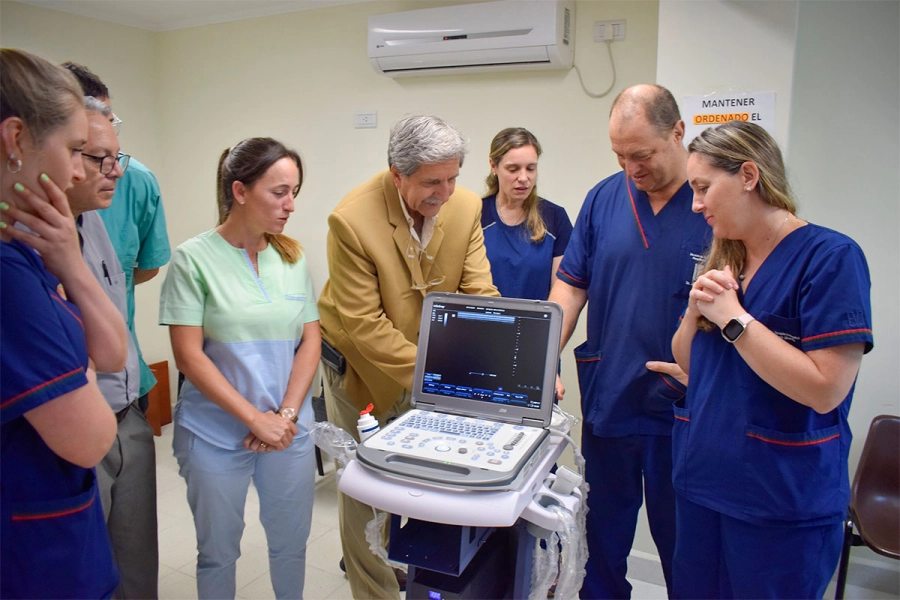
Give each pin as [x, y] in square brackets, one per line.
[247, 162]
[728, 147]
[503, 142]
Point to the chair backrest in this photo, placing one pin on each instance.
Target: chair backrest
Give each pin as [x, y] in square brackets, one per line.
[876, 487]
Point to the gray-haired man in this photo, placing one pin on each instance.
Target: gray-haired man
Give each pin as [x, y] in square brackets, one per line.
[406, 232]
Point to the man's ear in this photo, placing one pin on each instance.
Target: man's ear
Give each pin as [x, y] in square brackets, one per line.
[678, 132]
[395, 174]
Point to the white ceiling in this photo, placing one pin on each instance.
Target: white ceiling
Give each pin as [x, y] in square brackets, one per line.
[164, 15]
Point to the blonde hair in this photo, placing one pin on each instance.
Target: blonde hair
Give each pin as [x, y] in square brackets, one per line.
[503, 142]
[43, 95]
[728, 147]
[247, 162]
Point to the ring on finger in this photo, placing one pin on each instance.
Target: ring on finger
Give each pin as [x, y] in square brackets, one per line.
[263, 445]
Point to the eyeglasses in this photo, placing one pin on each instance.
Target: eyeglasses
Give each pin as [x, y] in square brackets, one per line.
[116, 122]
[108, 163]
[413, 253]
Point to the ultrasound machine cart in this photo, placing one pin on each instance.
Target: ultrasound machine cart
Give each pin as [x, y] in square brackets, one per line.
[445, 529]
[460, 527]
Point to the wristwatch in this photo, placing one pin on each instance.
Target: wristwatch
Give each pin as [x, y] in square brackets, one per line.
[288, 412]
[734, 329]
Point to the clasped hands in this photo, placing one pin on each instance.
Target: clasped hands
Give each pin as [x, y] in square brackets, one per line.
[714, 295]
[270, 431]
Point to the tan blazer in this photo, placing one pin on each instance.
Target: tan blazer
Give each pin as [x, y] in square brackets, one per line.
[368, 309]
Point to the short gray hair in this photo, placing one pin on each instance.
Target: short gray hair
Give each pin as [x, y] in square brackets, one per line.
[91, 104]
[423, 140]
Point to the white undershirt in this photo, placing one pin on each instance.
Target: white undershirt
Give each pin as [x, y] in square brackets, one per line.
[427, 227]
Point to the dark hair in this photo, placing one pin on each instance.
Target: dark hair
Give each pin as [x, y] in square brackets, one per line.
[657, 104]
[40, 93]
[247, 162]
[503, 142]
[90, 82]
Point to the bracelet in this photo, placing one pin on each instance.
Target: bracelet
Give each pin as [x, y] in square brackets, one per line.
[288, 412]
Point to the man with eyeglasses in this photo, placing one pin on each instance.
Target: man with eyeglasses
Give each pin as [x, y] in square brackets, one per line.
[406, 232]
[126, 476]
[135, 222]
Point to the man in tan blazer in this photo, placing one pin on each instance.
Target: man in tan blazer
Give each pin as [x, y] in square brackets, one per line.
[391, 241]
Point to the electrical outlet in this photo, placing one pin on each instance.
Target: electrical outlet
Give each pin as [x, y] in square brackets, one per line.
[609, 30]
[365, 119]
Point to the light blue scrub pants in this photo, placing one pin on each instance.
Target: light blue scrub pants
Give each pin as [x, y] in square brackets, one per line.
[217, 483]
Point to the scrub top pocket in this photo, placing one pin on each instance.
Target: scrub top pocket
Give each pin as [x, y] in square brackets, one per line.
[796, 475]
[787, 328]
[58, 548]
[588, 365]
[690, 263]
[680, 431]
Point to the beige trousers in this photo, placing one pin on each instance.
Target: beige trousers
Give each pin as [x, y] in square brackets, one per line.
[370, 577]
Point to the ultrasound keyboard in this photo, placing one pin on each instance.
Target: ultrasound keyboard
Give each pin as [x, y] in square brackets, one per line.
[476, 429]
[452, 448]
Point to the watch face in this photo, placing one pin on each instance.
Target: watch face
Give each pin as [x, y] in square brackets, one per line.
[733, 330]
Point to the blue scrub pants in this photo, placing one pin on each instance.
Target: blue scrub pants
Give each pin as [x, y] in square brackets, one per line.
[718, 556]
[217, 483]
[621, 472]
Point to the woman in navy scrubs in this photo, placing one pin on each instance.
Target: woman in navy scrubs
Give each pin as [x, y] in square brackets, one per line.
[772, 339]
[525, 235]
[55, 424]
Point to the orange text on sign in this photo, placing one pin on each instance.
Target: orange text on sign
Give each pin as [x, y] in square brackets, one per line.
[713, 119]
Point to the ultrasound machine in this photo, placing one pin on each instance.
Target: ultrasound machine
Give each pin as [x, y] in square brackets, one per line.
[474, 453]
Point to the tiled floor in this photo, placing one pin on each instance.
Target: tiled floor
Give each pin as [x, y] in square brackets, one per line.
[324, 579]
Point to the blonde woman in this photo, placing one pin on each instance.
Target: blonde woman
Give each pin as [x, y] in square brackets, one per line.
[525, 235]
[56, 326]
[772, 339]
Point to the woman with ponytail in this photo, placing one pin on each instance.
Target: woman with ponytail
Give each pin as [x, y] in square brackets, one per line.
[772, 339]
[525, 235]
[244, 325]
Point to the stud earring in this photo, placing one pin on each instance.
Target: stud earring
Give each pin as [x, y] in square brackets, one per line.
[749, 188]
[13, 161]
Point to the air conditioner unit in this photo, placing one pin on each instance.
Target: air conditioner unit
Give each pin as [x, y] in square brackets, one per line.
[471, 38]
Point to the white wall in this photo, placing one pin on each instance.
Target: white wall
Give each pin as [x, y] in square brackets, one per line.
[124, 57]
[718, 46]
[844, 159]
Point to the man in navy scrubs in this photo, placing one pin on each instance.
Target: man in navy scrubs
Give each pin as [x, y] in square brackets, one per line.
[631, 259]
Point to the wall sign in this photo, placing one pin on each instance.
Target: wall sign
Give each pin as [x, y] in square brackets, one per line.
[713, 109]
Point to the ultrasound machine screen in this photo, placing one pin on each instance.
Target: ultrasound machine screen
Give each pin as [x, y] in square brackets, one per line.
[489, 354]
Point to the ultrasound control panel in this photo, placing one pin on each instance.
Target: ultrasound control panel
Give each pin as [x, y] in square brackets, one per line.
[455, 448]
